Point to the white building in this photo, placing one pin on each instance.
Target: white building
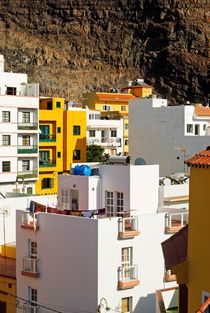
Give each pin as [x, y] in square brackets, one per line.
[101, 261]
[107, 133]
[19, 104]
[166, 134]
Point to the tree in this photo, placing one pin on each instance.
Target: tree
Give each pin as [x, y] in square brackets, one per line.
[96, 154]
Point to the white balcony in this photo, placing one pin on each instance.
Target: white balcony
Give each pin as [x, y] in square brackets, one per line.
[128, 276]
[104, 141]
[128, 227]
[29, 220]
[30, 267]
[175, 221]
[30, 308]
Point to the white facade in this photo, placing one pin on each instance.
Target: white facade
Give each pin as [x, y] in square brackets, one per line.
[165, 134]
[83, 256]
[105, 133]
[19, 104]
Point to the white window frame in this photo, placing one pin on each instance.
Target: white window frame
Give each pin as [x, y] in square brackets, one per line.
[190, 128]
[106, 107]
[26, 117]
[33, 246]
[6, 140]
[32, 295]
[64, 199]
[113, 133]
[6, 116]
[92, 133]
[25, 165]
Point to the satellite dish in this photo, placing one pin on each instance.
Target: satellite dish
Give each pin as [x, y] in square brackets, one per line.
[140, 161]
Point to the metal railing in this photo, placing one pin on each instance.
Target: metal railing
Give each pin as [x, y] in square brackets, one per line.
[28, 126]
[127, 273]
[47, 163]
[176, 219]
[28, 149]
[30, 265]
[29, 307]
[27, 174]
[30, 219]
[47, 138]
[105, 140]
[128, 224]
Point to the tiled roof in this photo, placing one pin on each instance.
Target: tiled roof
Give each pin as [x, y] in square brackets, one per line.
[200, 159]
[175, 248]
[115, 96]
[7, 267]
[202, 111]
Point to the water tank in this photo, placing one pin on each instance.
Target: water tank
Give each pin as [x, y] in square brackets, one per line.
[119, 159]
[83, 170]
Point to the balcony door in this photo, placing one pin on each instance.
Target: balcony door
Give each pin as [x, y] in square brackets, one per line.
[45, 131]
[126, 261]
[74, 197]
[44, 157]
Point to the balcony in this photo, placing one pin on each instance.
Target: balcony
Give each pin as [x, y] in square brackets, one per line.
[28, 149]
[30, 267]
[116, 142]
[128, 227]
[47, 138]
[47, 163]
[28, 126]
[29, 221]
[175, 221]
[168, 277]
[128, 277]
[27, 174]
[29, 307]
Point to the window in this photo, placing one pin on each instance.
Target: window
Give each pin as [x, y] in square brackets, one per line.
[76, 155]
[11, 91]
[25, 165]
[126, 142]
[58, 104]
[25, 117]
[126, 125]
[26, 140]
[126, 261]
[59, 154]
[47, 183]
[6, 166]
[109, 203]
[92, 133]
[204, 127]
[119, 203]
[76, 130]
[6, 116]
[59, 130]
[5, 140]
[64, 199]
[126, 305]
[33, 295]
[49, 105]
[29, 190]
[106, 108]
[3, 307]
[33, 249]
[197, 129]
[114, 133]
[189, 128]
[91, 116]
[123, 108]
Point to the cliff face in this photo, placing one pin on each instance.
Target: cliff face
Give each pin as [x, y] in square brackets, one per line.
[73, 46]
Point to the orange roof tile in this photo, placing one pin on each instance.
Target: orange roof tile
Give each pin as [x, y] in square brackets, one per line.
[200, 159]
[202, 111]
[115, 96]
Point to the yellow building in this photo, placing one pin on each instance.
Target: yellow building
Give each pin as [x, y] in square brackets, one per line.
[7, 279]
[74, 137]
[192, 267]
[50, 144]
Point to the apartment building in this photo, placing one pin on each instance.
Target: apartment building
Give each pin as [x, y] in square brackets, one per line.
[105, 222]
[19, 105]
[165, 134]
[105, 132]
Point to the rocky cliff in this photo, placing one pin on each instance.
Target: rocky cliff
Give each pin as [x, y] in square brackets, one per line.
[73, 46]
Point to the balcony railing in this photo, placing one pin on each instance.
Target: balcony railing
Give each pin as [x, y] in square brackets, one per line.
[30, 267]
[105, 141]
[29, 220]
[27, 174]
[27, 126]
[128, 276]
[28, 149]
[128, 227]
[47, 138]
[47, 163]
[168, 277]
[29, 307]
[175, 221]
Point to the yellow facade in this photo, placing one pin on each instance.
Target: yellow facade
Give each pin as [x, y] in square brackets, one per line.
[74, 137]
[50, 144]
[8, 278]
[198, 238]
[141, 91]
